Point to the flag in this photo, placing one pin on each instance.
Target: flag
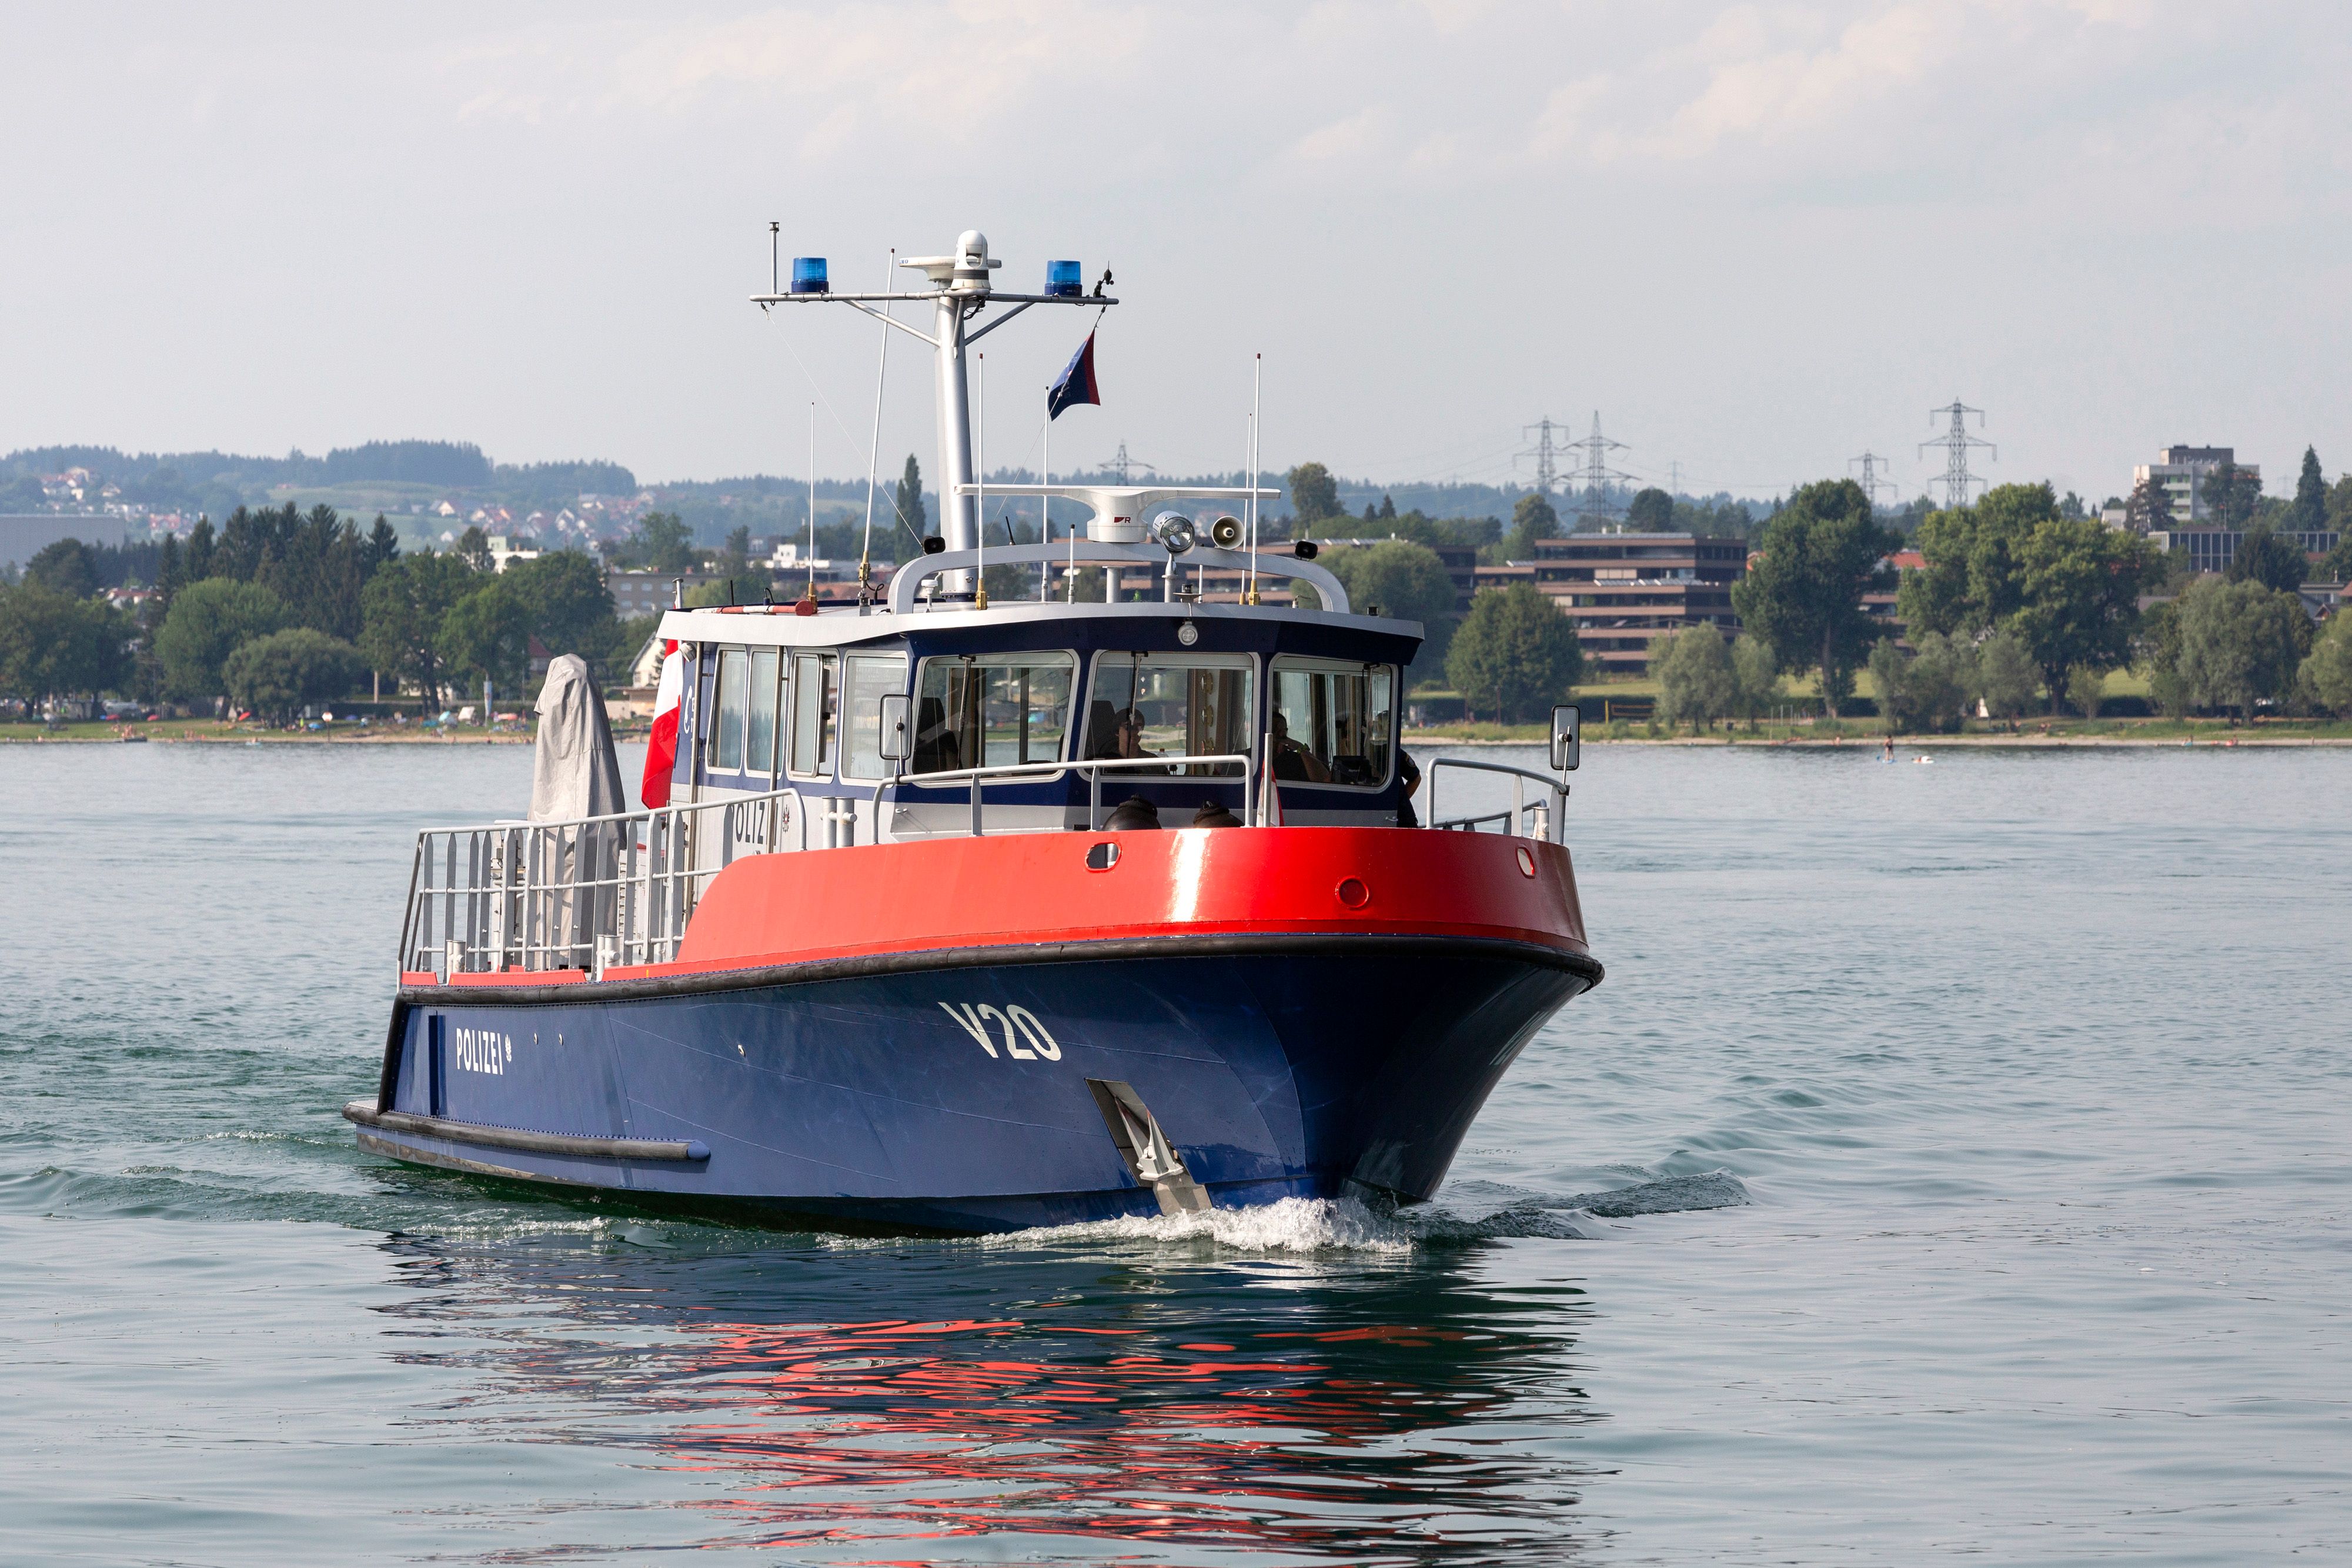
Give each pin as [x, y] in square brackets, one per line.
[1077, 382]
[661, 748]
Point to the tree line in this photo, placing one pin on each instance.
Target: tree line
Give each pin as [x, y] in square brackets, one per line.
[2022, 600]
[279, 609]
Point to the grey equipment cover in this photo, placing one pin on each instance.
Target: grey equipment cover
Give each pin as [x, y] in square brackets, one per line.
[574, 772]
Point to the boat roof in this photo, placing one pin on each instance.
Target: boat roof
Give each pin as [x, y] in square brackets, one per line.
[1221, 625]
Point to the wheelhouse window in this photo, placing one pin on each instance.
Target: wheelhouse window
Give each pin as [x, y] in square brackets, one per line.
[1166, 705]
[760, 744]
[1333, 723]
[816, 712]
[725, 753]
[996, 710]
[871, 677]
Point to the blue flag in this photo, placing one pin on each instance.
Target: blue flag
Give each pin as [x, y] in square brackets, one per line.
[1076, 383]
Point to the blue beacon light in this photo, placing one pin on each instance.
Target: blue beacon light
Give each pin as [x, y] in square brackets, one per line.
[1063, 280]
[808, 276]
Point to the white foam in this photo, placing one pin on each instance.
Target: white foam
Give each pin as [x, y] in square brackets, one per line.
[1289, 1224]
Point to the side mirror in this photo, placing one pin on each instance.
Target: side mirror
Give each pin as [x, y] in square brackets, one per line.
[1565, 721]
[897, 729]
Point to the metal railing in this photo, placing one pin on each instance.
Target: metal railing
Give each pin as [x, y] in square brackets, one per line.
[1525, 818]
[598, 892]
[580, 894]
[1094, 769]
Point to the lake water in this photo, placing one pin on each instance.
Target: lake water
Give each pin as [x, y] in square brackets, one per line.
[2030, 1068]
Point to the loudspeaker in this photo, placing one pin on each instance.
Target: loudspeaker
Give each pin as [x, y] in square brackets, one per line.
[1225, 532]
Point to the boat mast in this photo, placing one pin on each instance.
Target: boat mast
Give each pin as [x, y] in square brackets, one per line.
[959, 290]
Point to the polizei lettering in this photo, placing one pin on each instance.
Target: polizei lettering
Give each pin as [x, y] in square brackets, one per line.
[1025, 1038]
[481, 1049]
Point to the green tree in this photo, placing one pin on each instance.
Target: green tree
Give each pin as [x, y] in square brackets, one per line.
[485, 636]
[473, 548]
[908, 497]
[2230, 496]
[1516, 650]
[564, 600]
[2150, 510]
[2241, 643]
[2005, 676]
[279, 675]
[1406, 580]
[401, 614]
[55, 645]
[1754, 677]
[1652, 511]
[382, 544]
[1890, 674]
[2264, 557]
[666, 543]
[2328, 666]
[1532, 519]
[208, 621]
[1314, 496]
[1822, 552]
[2308, 515]
[2086, 688]
[2076, 596]
[66, 568]
[1695, 683]
[2337, 565]
[1940, 685]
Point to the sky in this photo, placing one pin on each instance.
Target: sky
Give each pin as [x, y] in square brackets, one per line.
[1758, 240]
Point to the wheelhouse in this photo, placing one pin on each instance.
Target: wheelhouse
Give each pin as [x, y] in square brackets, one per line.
[1041, 716]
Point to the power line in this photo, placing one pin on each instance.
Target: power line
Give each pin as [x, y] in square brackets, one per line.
[1872, 463]
[1956, 443]
[1596, 473]
[1544, 452]
[1122, 463]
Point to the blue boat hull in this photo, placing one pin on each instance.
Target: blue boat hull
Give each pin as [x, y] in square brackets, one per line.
[951, 1090]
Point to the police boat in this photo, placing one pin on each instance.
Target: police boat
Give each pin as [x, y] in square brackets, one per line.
[954, 913]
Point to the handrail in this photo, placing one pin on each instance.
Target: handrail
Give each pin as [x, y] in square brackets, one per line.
[1093, 768]
[580, 893]
[909, 578]
[1555, 809]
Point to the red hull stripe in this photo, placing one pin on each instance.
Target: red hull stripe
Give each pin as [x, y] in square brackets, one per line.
[1033, 888]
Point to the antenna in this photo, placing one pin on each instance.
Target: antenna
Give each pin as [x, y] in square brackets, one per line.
[874, 451]
[1871, 483]
[1544, 452]
[1257, 369]
[1595, 473]
[980, 534]
[1956, 443]
[811, 594]
[775, 257]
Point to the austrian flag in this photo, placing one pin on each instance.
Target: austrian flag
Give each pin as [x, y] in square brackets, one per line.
[661, 750]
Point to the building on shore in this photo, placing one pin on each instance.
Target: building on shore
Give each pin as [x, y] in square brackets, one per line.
[1624, 591]
[2212, 549]
[2180, 472]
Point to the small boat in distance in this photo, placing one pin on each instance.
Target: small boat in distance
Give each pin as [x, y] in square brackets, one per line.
[966, 913]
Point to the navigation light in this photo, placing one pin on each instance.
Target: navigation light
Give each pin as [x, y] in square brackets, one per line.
[1063, 280]
[808, 276]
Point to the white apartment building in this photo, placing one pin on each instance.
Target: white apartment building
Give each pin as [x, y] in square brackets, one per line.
[2181, 473]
